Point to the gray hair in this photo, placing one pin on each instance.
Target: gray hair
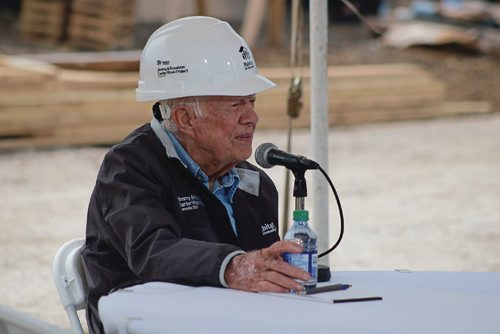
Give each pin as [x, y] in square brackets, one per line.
[166, 107]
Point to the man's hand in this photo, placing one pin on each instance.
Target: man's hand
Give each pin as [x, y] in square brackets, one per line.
[265, 270]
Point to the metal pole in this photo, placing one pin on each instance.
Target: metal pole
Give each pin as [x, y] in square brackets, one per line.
[318, 21]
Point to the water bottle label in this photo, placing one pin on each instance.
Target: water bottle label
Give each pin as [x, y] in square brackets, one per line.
[307, 261]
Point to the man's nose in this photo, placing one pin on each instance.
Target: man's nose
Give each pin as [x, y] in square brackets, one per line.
[249, 115]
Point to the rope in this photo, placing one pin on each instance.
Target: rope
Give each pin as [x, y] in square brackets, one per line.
[360, 16]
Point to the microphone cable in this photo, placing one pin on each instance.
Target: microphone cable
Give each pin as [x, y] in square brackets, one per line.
[299, 164]
[341, 213]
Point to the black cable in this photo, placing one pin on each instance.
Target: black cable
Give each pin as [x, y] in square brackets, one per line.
[340, 212]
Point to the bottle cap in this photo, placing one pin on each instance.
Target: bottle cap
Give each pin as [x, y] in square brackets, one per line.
[301, 215]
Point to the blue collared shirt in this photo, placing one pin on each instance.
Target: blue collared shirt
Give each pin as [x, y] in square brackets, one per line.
[224, 186]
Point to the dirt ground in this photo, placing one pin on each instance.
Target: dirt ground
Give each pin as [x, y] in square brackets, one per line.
[418, 195]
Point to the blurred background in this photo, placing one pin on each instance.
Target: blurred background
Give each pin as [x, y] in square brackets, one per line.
[414, 115]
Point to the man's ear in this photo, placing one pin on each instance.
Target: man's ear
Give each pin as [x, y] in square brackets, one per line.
[183, 116]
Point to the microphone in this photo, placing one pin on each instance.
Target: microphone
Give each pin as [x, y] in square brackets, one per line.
[268, 155]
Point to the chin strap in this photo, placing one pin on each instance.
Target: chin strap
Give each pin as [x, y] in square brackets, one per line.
[157, 112]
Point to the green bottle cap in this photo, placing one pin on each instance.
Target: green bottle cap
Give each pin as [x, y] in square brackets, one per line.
[301, 215]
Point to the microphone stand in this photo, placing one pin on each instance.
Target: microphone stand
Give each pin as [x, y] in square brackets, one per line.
[299, 187]
[300, 193]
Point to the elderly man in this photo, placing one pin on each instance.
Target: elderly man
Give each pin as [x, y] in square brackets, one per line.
[176, 201]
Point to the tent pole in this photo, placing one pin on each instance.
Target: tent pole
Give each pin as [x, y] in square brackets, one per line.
[318, 21]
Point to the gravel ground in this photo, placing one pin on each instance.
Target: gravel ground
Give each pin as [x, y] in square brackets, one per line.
[416, 195]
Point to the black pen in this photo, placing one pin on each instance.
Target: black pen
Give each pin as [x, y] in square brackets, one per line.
[350, 300]
[327, 288]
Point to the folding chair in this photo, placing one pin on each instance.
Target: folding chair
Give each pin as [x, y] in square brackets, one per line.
[70, 281]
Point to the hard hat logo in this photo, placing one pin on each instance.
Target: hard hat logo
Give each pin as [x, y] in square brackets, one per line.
[245, 53]
[165, 69]
[247, 56]
[162, 62]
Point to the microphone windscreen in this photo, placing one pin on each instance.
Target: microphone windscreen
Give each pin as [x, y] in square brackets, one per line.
[261, 154]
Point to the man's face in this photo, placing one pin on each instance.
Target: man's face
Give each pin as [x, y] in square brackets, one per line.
[225, 131]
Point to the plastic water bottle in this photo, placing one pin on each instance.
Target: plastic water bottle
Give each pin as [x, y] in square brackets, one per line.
[302, 233]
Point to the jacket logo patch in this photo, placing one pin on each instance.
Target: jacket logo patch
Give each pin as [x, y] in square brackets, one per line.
[191, 202]
[268, 228]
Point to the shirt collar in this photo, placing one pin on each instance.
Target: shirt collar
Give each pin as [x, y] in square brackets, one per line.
[186, 159]
[227, 183]
[161, 133]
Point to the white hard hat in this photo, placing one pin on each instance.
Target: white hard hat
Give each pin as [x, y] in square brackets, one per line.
[197, 56]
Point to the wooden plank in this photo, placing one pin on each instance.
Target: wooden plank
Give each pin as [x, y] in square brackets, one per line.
[337, 91]
[76, 79]
[465, 107]
[97, 39]
[104, 135]
[70, 97]
[94, 61]
[27, 121]
[390, 104]
[375, 70]
[25, 65]
[20, 79]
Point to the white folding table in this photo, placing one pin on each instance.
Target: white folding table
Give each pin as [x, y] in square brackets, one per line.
[413, 302]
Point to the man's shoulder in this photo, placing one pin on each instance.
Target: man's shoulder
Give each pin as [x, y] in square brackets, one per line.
[247, 168]
[140, 145]
[246, 165]
[144, 133]
[142, 138]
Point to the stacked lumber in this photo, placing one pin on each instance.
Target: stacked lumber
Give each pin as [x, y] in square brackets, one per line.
[45, 105]
[359, 94]
[86, 24]
[101, 25]
[366, 94]
[43, 20]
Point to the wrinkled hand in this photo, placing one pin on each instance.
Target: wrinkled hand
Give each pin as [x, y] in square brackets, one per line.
[265, 270]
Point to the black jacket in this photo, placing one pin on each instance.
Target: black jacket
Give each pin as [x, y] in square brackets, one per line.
[150, 219]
